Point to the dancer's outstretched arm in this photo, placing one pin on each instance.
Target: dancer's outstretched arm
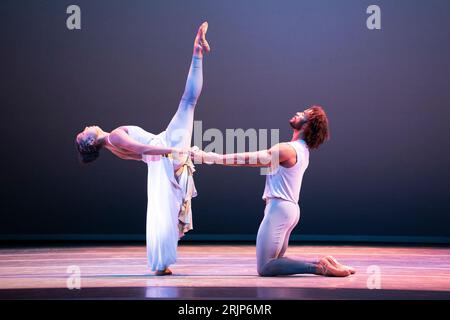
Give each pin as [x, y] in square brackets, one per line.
[121, 139]
[263, 158]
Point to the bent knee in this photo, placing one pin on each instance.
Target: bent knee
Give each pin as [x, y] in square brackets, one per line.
[264, 270]
[262, 273]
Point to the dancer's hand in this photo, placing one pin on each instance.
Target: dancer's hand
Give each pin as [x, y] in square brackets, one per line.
[199, 156]
[180, 154]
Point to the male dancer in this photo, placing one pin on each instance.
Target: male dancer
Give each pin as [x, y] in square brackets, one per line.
[282, 213]
[170, 184]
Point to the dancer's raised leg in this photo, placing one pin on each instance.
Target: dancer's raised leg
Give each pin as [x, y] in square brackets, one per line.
[179, 130]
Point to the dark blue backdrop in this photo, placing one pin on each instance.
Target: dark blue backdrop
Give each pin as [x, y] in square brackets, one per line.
[384, 173]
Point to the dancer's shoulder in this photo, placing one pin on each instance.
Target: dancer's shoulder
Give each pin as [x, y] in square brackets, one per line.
[130, 129]
[127, 127]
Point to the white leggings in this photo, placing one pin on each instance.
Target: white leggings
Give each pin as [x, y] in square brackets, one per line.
[179, 130]
[280, 218]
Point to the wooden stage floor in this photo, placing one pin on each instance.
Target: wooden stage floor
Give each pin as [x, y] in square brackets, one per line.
[221, 271]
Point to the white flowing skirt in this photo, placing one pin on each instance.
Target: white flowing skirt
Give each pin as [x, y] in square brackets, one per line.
[164, 200]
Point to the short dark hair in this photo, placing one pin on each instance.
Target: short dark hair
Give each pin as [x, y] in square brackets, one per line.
[87, 153]
[316, 129]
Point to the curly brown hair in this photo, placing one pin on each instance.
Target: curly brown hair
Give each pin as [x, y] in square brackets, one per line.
[316, 130]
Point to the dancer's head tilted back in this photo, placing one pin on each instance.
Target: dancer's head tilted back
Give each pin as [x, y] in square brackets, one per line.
[313, 123]
[88, 144]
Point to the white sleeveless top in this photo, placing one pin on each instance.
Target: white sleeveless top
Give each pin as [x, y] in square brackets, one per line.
[285, 183]
[140, 135]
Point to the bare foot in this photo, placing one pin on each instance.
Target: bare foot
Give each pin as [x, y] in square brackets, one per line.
[201, 45]
[325, 268]
[165, 272]
[338, 265]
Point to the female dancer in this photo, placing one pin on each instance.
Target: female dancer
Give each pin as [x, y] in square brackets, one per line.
[170, 184]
